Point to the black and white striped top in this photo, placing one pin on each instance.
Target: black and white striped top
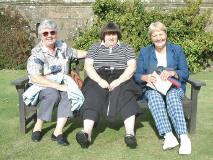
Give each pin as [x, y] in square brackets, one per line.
[115, 57]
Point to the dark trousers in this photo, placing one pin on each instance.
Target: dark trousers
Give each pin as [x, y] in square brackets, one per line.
[101, 102]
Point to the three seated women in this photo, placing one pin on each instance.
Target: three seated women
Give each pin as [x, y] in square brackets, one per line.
[110, 88]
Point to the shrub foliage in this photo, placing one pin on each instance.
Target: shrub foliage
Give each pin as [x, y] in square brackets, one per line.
[185, 27]
[16, 41]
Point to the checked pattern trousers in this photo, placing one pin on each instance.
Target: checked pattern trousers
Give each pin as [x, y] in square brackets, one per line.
[163, 106]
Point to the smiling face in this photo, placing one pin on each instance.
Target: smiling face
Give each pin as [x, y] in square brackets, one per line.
[48, 37]
[111, 39]
[159, 39]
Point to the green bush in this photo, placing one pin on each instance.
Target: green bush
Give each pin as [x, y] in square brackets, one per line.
[15, 39]
[185, 27]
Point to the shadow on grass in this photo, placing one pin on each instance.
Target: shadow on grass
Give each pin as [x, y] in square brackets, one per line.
[146, 117]
[74, 123]
[103, 124]
[118, 123]
[45, 130]
[30, 128]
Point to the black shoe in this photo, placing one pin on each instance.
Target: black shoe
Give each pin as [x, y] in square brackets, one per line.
[36, 136]
[53, 137]
[82, 139]
[60, 139]
[130, 141]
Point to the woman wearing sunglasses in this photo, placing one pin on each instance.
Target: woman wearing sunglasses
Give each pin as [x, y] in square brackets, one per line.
[48, 59]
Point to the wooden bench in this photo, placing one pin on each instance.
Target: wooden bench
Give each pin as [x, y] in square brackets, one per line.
[29, 113]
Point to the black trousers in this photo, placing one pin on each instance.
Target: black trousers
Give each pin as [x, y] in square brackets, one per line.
[100, 102]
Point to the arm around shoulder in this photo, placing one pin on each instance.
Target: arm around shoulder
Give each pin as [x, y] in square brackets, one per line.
[81, 54]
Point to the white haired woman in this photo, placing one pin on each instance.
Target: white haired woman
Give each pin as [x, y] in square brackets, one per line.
[49, 58]
[171, 58]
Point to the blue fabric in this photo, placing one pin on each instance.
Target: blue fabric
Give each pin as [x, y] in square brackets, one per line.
[73, 92]
[174, 108]
[38, 61]
[175, 60]
[55, 69]
[30, 96]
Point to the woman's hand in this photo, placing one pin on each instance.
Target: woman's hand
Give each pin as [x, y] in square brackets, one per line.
[103, 83]
[114, 84]
[150, 78]
[62, 87]
[166, 74]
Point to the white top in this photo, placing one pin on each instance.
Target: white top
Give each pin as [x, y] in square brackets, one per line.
[161, 57]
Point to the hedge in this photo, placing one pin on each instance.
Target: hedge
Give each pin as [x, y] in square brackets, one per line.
[186, 27]
[16, 41]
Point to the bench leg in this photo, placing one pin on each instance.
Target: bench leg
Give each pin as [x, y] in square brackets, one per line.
[193, 118]
[192, 126]
[22, 112]
[22, 117]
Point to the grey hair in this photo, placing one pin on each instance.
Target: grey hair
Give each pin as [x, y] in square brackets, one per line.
[157, 26]
[46, 23]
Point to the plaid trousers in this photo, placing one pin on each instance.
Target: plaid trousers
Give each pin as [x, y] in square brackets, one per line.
[172, 104]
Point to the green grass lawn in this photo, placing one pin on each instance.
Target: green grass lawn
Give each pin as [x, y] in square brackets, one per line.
[108, 141]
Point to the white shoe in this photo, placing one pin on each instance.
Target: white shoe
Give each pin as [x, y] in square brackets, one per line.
[185, 145]
[170, 141]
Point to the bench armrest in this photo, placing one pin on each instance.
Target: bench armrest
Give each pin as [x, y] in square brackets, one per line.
[195, 88]
[195, 82]
[20, 82]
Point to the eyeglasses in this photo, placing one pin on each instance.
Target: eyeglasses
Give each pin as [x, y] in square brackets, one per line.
[52, 33]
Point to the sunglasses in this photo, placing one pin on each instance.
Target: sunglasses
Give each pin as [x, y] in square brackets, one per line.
[52, 33]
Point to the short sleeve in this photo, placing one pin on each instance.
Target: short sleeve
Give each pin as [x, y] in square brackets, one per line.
[67, 51]
[92, 51]
[35, 64]
[72, 53]
[129, 53]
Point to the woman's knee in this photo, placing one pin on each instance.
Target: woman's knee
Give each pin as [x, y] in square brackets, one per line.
[174, 101]
[153, 94]
[154, 97]
[175, 94]
[155, 101]
[50, 94]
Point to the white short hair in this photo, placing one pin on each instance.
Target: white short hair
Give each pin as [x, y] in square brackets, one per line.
[46, 23]
[157, 26]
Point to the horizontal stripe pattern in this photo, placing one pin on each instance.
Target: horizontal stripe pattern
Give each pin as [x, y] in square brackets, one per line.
[115, 57]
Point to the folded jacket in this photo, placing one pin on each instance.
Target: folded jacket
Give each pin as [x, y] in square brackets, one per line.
[30, 96]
